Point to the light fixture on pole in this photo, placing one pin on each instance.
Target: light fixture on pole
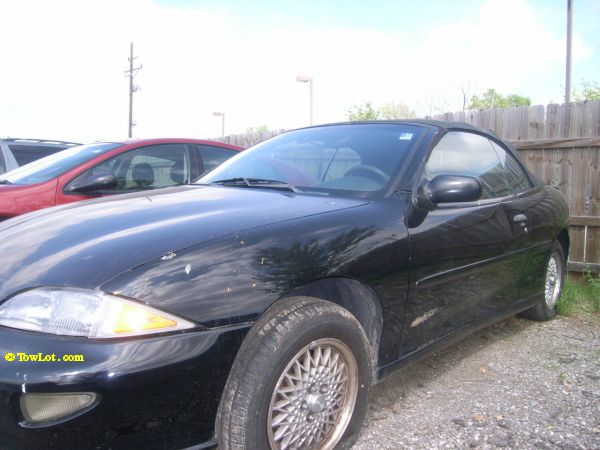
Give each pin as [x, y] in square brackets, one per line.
[309, 80]
[222, 115]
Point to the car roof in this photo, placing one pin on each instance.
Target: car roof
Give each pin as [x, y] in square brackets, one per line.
[46, 142]
[150, 141]
[441, 124]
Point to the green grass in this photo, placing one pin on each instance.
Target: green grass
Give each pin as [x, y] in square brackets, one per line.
[594, 291]
[580, 297]
[572, 295]
[561, 378]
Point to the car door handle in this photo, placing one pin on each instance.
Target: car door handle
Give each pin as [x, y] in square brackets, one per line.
[520, 219]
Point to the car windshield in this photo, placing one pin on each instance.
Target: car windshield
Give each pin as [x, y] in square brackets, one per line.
[349, 159]
[54, 165]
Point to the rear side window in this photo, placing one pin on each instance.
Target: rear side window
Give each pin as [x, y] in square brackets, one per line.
[212, 157]
[24, 154]
[2, 165]
[514, 176]
[468, 154]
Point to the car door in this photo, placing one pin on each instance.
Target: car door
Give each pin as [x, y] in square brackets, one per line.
[144, 168]
[525, 207]
[210, 157]
[460, 253]
[2, 164]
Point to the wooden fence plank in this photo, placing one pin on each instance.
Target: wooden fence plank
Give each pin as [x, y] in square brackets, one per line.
[582, 267]
[592, 254]
[536, 123]
[558, 143]
[575, 221]
[576, 235]
[551, 129]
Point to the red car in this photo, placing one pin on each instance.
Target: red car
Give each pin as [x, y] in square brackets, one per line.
[106, 168]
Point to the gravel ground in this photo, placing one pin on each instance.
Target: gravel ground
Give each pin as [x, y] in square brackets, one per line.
[517, 384]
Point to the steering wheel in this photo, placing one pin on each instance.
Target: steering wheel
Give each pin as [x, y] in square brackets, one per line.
[368, 171]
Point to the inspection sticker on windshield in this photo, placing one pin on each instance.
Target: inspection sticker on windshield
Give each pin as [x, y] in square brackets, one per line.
[406, 136]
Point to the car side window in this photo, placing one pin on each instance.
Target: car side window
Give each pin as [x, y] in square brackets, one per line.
[211, 157]
[24, 154]
[2, 165]
[151, 167]
[515, 177]
[468, 154]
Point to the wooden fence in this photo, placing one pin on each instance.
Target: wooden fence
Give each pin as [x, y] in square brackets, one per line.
[560, 144]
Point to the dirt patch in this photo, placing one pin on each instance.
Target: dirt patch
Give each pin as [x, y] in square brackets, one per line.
[517, 384]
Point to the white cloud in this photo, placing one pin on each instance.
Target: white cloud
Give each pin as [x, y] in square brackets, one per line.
[64, 77]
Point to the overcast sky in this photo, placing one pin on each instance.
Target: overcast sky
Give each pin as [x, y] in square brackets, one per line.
[64, 61]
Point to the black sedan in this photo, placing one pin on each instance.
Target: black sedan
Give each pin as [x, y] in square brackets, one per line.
[255, 309]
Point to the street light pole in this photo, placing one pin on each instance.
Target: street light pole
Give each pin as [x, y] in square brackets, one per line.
[569, 39]
[222, 115]
[309, 80]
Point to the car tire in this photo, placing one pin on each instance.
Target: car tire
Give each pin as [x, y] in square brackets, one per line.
[305, 361]
[554, 281]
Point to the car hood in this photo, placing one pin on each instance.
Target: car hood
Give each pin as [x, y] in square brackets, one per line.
[11, 187]
[84, 244]
[17, 199]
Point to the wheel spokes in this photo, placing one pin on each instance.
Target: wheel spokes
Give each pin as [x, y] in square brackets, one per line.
[313, 401]
[553, 281]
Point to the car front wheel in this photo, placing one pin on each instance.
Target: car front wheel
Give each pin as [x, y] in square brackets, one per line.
[300, 380]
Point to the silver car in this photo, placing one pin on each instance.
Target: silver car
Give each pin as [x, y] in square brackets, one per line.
[18, 152]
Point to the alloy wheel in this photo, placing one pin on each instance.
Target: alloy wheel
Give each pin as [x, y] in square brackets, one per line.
[314, 398]
[553, 280]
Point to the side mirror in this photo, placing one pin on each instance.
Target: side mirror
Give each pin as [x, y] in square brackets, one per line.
[448, 189]
[95, 183]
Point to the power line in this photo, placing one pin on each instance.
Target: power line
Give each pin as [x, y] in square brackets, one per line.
[132, 72]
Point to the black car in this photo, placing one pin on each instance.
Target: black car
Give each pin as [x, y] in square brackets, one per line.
[256, 308]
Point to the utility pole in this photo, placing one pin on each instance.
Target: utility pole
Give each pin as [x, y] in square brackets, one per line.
[569, 38]
[131, 73]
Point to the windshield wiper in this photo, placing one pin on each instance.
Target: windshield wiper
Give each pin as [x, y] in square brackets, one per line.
[258, 182]
[5, 182]
[234, 181]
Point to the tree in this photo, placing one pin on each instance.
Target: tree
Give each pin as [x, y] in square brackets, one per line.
[492, 99]
[588, 90]
[389, 111]
[396, 111]
[255, 130]
[465, 94]
[363, 112]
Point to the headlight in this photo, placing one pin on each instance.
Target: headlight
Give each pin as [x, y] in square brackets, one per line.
[88, 313]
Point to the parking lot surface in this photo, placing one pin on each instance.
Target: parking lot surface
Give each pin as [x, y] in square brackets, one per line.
[517, 384]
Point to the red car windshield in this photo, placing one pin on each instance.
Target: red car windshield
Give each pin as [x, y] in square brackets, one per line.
[54, 165]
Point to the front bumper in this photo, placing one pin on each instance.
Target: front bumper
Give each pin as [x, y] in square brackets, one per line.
[160, 392]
